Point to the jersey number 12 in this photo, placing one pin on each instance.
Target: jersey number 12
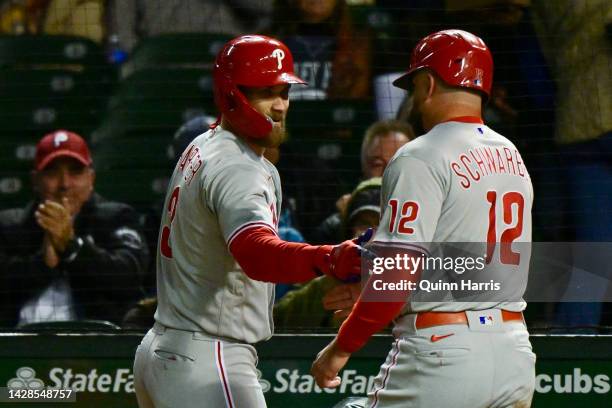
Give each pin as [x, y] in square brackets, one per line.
[508, 200]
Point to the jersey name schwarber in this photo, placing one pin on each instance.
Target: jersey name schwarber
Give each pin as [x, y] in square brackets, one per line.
[479, 162]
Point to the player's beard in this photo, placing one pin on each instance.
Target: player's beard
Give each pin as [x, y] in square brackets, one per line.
[275, 138]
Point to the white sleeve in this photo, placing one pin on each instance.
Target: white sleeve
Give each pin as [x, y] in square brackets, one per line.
[411, 199]
[241, 196]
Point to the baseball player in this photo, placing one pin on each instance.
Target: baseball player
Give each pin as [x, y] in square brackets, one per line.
[218, 252]
[440, 188]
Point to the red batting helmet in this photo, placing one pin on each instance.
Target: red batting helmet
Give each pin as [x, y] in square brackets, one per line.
[250, 61]
[459, 58]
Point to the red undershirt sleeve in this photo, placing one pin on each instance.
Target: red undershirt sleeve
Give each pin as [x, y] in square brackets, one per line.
[263, 256]
[369, 317]
[366, 319]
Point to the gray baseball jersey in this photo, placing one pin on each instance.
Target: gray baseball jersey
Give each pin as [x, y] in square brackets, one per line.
[461, 182]
[457, 183]
[219, 188]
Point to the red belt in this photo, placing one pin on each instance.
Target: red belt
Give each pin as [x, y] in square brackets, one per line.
[430, 319]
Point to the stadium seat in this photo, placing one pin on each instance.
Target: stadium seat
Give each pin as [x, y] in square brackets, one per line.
[49, 50]
[142, 188]
[51, 84]
[17, 150]
[141, 150]
[177, 84]
[45, 99]
[331, 132]
[15, 188]
[135, 167]
[178, 49]
[157, 116]
[349, 116]
[42, 116]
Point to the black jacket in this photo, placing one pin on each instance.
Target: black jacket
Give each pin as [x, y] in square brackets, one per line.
[105, 274]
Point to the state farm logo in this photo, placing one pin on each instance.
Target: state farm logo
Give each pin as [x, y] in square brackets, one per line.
[265, 385]
[26, 379]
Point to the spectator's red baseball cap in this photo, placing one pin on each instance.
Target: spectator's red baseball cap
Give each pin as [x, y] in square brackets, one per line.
[61, 143]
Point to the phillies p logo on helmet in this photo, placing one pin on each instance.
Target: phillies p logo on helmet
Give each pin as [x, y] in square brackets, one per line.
[280, 56]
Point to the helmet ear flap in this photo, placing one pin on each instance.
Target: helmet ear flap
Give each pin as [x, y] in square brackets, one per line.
[234, 105]
[246, 117]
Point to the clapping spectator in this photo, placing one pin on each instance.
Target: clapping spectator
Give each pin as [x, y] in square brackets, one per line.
[69, 254]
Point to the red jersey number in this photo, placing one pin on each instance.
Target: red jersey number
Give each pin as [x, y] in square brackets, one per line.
[510, 199]
[409, 213]
[164, 246]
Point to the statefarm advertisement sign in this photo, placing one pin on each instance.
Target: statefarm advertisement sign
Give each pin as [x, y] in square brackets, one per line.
[298, 382]
[557, 383]
[120, 380]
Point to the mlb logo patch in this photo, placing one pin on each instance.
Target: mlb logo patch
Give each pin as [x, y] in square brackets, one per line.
[486, 320]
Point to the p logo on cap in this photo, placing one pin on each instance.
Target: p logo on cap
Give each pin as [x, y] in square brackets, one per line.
[59, 138]
[61, 143]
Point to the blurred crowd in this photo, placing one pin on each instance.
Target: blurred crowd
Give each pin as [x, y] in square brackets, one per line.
[95, 133]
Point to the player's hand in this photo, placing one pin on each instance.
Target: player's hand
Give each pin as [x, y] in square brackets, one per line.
[56, 220]
[342, 297]
[341, 314]
[328, 364]
[345, 259]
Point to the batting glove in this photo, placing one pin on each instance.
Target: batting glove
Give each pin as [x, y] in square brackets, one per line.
[343, 261]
